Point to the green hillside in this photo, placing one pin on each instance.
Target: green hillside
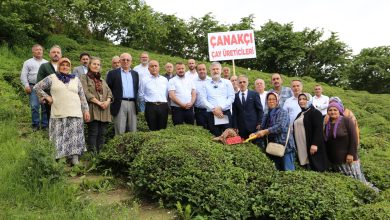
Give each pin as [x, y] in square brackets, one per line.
[28, 192]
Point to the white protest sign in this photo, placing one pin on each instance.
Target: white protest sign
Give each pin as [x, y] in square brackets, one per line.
[232, 45]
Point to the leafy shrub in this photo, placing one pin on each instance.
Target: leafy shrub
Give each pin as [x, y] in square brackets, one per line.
[375, 165]
[310, 195]
[375, 211]
[64, 42]
[182, 164]
[40, 168]
[120, 152]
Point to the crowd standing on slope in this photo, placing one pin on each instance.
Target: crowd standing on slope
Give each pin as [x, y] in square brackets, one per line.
[317, 130]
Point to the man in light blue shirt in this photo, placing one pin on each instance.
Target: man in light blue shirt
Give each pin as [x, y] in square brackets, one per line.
[200, 110]
[217, 97]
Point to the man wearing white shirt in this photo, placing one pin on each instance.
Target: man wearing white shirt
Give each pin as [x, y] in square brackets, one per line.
[154, 91]
[217, 96]
[291, 104]
[320, 101]
[143, 71]
[28, 78]
[182, 95]
[200, 110]
[260, 88]
[191, 73]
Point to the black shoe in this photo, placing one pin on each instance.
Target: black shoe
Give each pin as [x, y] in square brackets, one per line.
[35, 129]
[44, 128]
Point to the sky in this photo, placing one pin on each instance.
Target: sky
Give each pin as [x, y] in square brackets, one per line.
[359, 23]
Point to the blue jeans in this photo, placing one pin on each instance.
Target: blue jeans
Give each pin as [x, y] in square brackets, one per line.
[39, 119]
[284, 163]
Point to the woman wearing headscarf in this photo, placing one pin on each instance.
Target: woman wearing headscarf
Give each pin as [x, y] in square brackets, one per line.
[99, 97]
[341, 143]
[347, 113]
[68, 108]
[275, 125]
[308, 136]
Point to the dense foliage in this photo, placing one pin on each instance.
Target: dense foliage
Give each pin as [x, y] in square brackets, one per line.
[182, 164]
[133, 23]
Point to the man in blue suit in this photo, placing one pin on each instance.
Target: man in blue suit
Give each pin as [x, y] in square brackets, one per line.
[123, 83]
[247, 109]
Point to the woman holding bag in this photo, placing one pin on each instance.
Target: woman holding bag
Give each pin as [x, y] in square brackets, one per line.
[275, 127]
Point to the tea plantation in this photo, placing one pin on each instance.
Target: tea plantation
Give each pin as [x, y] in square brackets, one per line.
[180, 167]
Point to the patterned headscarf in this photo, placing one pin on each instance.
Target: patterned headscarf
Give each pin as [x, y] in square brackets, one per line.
[64, 77]
[98, 82]
[336, 125]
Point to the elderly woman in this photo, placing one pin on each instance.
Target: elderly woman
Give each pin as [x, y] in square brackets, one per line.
[68, 107]
[341, 143]
[308, 136]
[275, 125]
[99, 97]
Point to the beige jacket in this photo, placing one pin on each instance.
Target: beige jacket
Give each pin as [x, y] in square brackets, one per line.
[96, 112]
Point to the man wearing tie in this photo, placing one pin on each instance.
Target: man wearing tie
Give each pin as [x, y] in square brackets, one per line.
[247, 109]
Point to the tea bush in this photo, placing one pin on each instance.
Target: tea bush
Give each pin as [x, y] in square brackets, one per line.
[375, 165]
[310, 195]
[376, 211]
[183, 164]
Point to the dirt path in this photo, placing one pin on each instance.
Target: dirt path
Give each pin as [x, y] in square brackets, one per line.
[93, 187]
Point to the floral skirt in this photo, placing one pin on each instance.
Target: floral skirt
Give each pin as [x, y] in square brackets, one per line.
[67, 135]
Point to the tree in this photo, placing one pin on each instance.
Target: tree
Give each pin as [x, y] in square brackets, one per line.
[199, 28]
[18, 25]
[370, 70]
[325, 60]
[178, 39]
[279, 48]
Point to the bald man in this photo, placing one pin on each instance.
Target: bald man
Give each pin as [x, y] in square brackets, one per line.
[123, 83]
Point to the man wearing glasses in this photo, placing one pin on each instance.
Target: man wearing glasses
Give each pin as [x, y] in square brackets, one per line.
[217, 96]
[123, 83]
[247, 109]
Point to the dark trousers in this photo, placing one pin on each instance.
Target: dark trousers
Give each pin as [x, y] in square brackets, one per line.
[217, 130]
[96, 135]
[156, 115]
[201, 117]
[182, 116]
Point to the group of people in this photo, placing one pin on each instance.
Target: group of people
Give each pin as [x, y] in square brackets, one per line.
[323, 133]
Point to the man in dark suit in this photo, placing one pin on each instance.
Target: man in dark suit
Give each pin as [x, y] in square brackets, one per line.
[123, 83]
[247, 109]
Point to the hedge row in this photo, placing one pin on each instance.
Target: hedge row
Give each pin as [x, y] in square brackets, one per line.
[182, 164]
